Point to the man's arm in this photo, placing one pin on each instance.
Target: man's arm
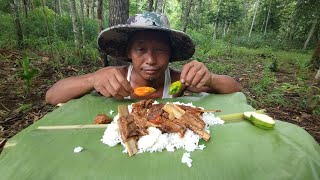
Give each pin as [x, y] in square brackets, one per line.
[69, 88]
[109, 81]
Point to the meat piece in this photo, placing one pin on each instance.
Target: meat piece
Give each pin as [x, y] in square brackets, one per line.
[187, 119]
[102, 119]
[155, 111]
[193, 110]
[140, 122]
[169, 126]
[127, 130]
[127, 127]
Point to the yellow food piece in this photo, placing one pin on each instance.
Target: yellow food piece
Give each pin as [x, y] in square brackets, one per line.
[144, 91]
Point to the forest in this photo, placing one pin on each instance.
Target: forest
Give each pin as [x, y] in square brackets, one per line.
[272, 47]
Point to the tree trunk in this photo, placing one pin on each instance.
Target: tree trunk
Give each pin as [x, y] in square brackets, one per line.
[265, 27]
[159, 6]
[118, 14]
[310, 34]
[198, 15]
[225, 24]
[26, 8]
[75, 24]
[59, 5]
[254, 16]
[187, 16]
[88, 8]
[100, 17]
[46, 21]
[17, 25]
[150, 9]
[25, 4]
[155, 5]
[315, 60]
[163, 6]
[82, 24]
[92, 9]
[217, 21]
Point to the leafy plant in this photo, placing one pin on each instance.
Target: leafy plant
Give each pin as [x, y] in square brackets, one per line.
[28, 72]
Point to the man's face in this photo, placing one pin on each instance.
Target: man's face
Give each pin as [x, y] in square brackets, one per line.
[150, 53]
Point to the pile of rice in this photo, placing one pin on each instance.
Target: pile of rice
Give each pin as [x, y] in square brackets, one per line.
[156, 141]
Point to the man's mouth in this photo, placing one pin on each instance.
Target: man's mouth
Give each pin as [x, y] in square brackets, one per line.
[150, 71]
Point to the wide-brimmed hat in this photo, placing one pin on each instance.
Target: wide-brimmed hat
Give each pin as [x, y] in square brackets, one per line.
[114, 40]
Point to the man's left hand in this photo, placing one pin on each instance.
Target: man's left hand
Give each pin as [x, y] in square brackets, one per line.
[195, 74]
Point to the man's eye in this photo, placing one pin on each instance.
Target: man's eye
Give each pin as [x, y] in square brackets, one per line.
[140, 49]
[159, 50]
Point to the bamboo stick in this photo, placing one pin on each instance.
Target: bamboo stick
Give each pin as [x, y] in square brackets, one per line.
[86, 126]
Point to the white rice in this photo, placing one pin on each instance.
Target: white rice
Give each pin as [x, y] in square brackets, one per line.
[156, 141]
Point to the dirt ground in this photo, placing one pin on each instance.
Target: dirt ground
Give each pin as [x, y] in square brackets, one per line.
[19, 109]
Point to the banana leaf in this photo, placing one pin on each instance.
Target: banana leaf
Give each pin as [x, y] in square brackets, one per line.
[236, 150]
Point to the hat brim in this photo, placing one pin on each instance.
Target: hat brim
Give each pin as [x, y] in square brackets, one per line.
[114, 40]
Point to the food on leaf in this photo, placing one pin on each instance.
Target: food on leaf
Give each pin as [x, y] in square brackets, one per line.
[144, 91]
[102, 119]
[262, 121]
[175, 87]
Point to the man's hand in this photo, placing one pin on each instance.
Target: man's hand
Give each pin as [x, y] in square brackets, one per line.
[110, 82]
[195, 74]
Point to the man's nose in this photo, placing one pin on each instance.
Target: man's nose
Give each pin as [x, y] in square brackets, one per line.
[150, 57]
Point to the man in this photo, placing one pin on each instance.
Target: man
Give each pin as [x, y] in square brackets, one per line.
[149, 43]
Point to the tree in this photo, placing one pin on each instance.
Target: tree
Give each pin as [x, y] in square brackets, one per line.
[82, 23]
[217, 21]
[118, 14]
[187, 15]
[159, 6]
[313, 27]
[88, 8]
[150, 9]
[17, 24]
[267, 21]
[315, 60]
[254, 16]
[100, 17]
[75, 24]
[92, 8]
[26, 9]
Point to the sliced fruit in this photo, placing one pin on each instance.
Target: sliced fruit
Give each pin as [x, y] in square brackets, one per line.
[262, 120]
[247, 115]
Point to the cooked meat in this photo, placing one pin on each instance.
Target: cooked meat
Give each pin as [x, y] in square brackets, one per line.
[196, 111]
[140, 122]
[102, 119]
[127, 127]
[169, 118]
[155, 111]
[169, 126]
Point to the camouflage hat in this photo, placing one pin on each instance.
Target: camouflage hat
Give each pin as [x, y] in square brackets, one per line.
[114, 40]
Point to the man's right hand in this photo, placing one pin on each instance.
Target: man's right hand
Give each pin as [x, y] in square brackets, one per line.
[110, 82]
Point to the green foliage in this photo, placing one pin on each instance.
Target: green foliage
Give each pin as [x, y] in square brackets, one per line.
[25, 107]
[28, 72]
[5, 6]
[7, 35]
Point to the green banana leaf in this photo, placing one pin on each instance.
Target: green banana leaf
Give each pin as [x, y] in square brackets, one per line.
[236, 150]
